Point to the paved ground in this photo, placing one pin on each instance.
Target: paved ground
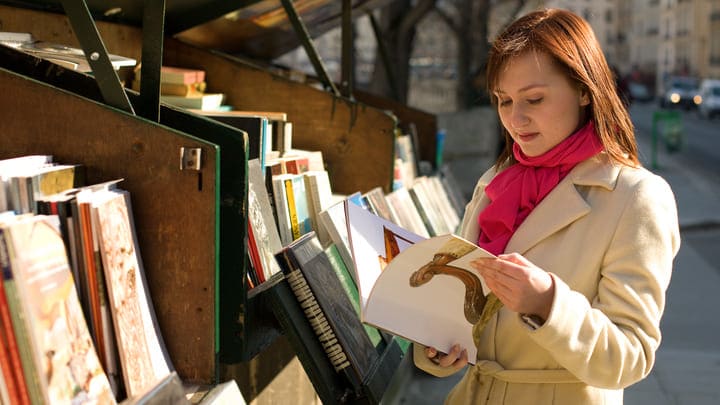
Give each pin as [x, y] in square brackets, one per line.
[687, 369]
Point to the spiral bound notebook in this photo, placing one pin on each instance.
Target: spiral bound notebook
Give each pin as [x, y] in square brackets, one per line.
[328, 308]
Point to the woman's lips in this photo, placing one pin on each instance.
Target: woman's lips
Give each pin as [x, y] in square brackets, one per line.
[527, 136]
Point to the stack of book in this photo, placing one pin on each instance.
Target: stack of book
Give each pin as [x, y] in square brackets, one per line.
[185, 88]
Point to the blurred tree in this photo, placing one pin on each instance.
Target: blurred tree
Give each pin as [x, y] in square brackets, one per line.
[466, 19]
[396, 29]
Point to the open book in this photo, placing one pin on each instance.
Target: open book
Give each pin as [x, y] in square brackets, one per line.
[421, 289]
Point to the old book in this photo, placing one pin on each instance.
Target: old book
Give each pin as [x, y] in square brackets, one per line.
[143, 355]
[399, 288]
[254, 124]
[203, 102]
[379, 205]
[335, 223]
[15, 390]
[183, 90]
[97, 306]
[227, 393]
[328, 308]
[348, 283]
[297, 201]
[62, 365]
[319, 196]
[169, 390]
[261, 220]
[278, 134]
[282, 213]
[406, 211]
[294, 164]
[315, 160]
[454, 192]
[173, 89]
[66, 56]
[25, 186]
[256, 272]
[427, 209]
[442, 200]
[181, 75]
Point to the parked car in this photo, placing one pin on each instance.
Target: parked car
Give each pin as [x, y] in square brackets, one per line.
[710, 95]
[639, 92]
[681, 91]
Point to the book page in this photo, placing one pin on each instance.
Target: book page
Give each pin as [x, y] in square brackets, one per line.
[428, 295]
[420, 289]
[366, 237]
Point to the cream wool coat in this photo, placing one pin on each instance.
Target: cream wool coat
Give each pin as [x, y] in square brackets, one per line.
[608, 236]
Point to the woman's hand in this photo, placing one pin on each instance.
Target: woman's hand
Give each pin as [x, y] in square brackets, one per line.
[520, 285]
[456, 358]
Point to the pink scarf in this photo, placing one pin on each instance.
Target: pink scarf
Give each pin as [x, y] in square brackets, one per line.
[516, 191]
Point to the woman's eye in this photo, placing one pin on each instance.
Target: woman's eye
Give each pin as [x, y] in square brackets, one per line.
[504, 103]
[535, 100]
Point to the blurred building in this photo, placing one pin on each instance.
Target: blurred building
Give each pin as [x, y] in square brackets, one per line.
[646, 40]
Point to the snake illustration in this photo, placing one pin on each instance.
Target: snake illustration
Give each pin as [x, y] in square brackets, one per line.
[474, 298]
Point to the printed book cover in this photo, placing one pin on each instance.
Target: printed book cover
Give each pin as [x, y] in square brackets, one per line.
[143, 355]
[261, 220]
[65, 365]
[420, 289]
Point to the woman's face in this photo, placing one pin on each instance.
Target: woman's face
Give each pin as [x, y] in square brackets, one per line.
[538, 105]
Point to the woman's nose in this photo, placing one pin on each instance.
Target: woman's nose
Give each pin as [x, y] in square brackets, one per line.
[518, 116]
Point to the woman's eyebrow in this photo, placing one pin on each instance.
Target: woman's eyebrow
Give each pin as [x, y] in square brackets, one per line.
[523, 89]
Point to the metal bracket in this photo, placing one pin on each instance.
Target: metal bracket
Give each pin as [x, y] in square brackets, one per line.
[97, 56]
[190, 158]
[348, 51]
[153, 28]
[307, 43]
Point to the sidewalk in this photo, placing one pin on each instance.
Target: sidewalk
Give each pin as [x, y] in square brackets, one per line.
[687, 369]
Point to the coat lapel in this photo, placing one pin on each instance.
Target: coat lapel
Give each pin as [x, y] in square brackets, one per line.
[564, 204]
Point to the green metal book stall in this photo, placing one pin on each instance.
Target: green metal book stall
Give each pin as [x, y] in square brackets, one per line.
[191, 214]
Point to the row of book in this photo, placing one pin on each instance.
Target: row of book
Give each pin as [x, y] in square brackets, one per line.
[299, 227]
[290, 194]
[77, 323]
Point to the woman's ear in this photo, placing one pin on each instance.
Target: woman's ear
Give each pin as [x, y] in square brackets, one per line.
[584, 96]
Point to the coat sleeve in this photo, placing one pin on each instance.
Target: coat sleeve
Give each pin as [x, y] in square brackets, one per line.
[611, 341]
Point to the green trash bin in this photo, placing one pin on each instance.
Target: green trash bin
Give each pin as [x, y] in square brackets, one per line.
[667, 126]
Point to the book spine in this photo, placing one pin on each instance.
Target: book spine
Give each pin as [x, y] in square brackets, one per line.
[255, 255]
[184, 90]
[181, 75]
[292, 210]
[281, 211]
[29, 372]
[10, 364]
[313, 313]
[91, 274]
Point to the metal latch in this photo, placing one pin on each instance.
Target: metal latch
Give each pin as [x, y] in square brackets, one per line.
[190, 158]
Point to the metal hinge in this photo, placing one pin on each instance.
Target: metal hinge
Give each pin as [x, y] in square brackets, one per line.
[190, 158]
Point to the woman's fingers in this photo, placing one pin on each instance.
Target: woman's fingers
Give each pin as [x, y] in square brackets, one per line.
[456, 357]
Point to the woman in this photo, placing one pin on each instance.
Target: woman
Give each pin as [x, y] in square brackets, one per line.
[585, 237]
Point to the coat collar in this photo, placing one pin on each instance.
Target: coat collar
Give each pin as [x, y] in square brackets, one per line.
[564, 204]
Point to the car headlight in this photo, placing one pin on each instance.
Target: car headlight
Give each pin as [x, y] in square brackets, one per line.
[697, 99]
[675, 98]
